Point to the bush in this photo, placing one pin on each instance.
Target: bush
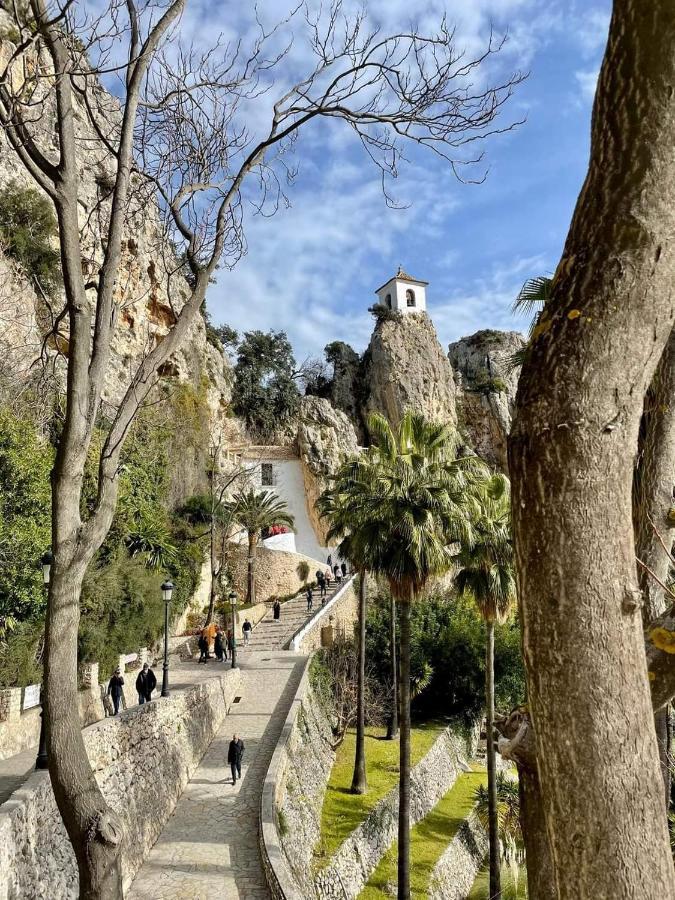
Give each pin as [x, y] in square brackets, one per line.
[449, 637]
[28, 234]
[382, 313]
[265, 394]
[486, 384]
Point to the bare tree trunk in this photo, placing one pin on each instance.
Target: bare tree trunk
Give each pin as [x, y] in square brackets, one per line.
[493, 831]
[540, 879]
[392, 725]
[359, 779]
[250, 581]
[404, 766]
[94, 829]
[572, 447]
[215, 569]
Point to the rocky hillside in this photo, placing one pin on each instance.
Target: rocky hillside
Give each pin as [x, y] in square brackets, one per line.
[151, 290]
[405, 368]
[486, 389]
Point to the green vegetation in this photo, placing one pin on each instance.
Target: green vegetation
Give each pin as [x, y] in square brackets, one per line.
[514, 884]
[428, 840]
[486, 384]
[265, 394]
[28, 234]
[343, 811]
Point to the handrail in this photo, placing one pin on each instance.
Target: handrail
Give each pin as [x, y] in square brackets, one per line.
[296, 639]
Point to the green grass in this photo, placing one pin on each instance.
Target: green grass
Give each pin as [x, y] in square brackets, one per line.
[428, 840]
[342, 811]
[480, 889]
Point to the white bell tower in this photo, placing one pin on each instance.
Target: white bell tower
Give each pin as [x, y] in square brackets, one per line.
[403, 293]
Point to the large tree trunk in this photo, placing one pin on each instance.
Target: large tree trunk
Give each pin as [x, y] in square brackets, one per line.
[404, 755]
[250, 580]
[653, 501]
[392, 724]
[495, 881]
[94, 830]
[571, 451]
[215, 568]
[359, 779]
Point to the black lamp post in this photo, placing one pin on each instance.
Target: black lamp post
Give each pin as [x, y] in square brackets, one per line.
[42, 761]
[233, 601]
[167, 591]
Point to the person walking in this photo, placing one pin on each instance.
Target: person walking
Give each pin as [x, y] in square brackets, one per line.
[203, 645]
[321, 581]
[218, 645]
[310, 599]
[343, 567]
[337, 574]
[234, 755]
[115, 686]
[329, 561]
[247, 629]
[328, 575]
[229, 643]
[146, 682]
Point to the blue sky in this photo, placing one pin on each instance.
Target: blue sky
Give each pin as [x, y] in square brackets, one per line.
[311, 269]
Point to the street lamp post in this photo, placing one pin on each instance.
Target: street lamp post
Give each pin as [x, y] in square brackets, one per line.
[233, 601]
[42, 761]
[167, 591]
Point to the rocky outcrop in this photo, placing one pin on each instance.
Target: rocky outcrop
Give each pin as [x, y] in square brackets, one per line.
[486, 386]
[326, 437]
[345, 385]
[405, 368]
[151, 287]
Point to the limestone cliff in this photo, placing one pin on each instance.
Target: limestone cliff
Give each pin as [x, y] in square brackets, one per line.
[151, 288]
[486, 389]
[405, 368]
[325, 439]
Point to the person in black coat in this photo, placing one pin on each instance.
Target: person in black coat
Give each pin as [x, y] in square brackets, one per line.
[277, 609]
[203, 645]
[218, 646]
[145, 684]
[343, 566]
[234, 755]
[115, 686]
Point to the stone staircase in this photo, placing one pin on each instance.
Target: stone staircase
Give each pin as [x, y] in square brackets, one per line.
[274, 634]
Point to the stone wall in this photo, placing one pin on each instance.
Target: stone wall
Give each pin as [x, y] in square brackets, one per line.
[142, 760]
[276, 572]
[355, 861]
[456, 870]
[341, 612]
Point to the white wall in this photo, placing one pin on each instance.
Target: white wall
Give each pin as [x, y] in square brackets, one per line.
[289, 485]
[399, 302]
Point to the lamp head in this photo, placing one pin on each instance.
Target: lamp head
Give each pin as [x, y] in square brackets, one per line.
[233, 598]
[167, 591]
[46, 561]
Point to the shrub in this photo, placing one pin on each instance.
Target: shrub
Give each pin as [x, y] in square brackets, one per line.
[486, 384]
[28, 233]
[382, 313]
[265, 394]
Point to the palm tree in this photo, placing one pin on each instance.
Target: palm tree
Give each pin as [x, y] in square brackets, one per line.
[255, 512]
[485, 573]
[407, 506]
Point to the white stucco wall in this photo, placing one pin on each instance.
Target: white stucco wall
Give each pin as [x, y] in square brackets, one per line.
[399, 302]
[289, 486]
[285, 542]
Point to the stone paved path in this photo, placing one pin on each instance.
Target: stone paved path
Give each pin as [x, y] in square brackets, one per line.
[209, 846]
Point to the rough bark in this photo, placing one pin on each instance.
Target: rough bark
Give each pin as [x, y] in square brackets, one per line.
[392, 724]
[250, 580]
[493, 830]
[571, 450]
[404, 759]
[359, 779]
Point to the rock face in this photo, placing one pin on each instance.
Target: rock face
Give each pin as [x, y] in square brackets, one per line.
[345, 386]
[151, 287]
[486, 383]
[405, 368]
[326, 437]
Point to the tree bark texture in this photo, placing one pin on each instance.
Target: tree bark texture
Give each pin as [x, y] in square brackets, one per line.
[250, 581]
[404, 756]
[360, 779]
[392, 725]
[571, 454]
[493, 831]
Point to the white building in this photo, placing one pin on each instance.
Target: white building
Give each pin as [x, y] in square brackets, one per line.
[403, 293]
[279, 469]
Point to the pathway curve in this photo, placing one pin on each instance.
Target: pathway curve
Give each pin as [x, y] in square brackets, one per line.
[209, 846]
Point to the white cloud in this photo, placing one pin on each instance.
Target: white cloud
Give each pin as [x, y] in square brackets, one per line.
[587, 81]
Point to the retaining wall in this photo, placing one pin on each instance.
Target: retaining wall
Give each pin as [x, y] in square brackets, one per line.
[142, 761]
[341, 611]
[456, 870]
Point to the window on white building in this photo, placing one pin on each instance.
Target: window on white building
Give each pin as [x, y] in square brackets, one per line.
[410, 297]
[267, 474]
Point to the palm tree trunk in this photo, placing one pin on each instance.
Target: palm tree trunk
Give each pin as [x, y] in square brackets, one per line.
[495, 883]
[252, 546]
[359, 780]
[392, 726]
[404, 767]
